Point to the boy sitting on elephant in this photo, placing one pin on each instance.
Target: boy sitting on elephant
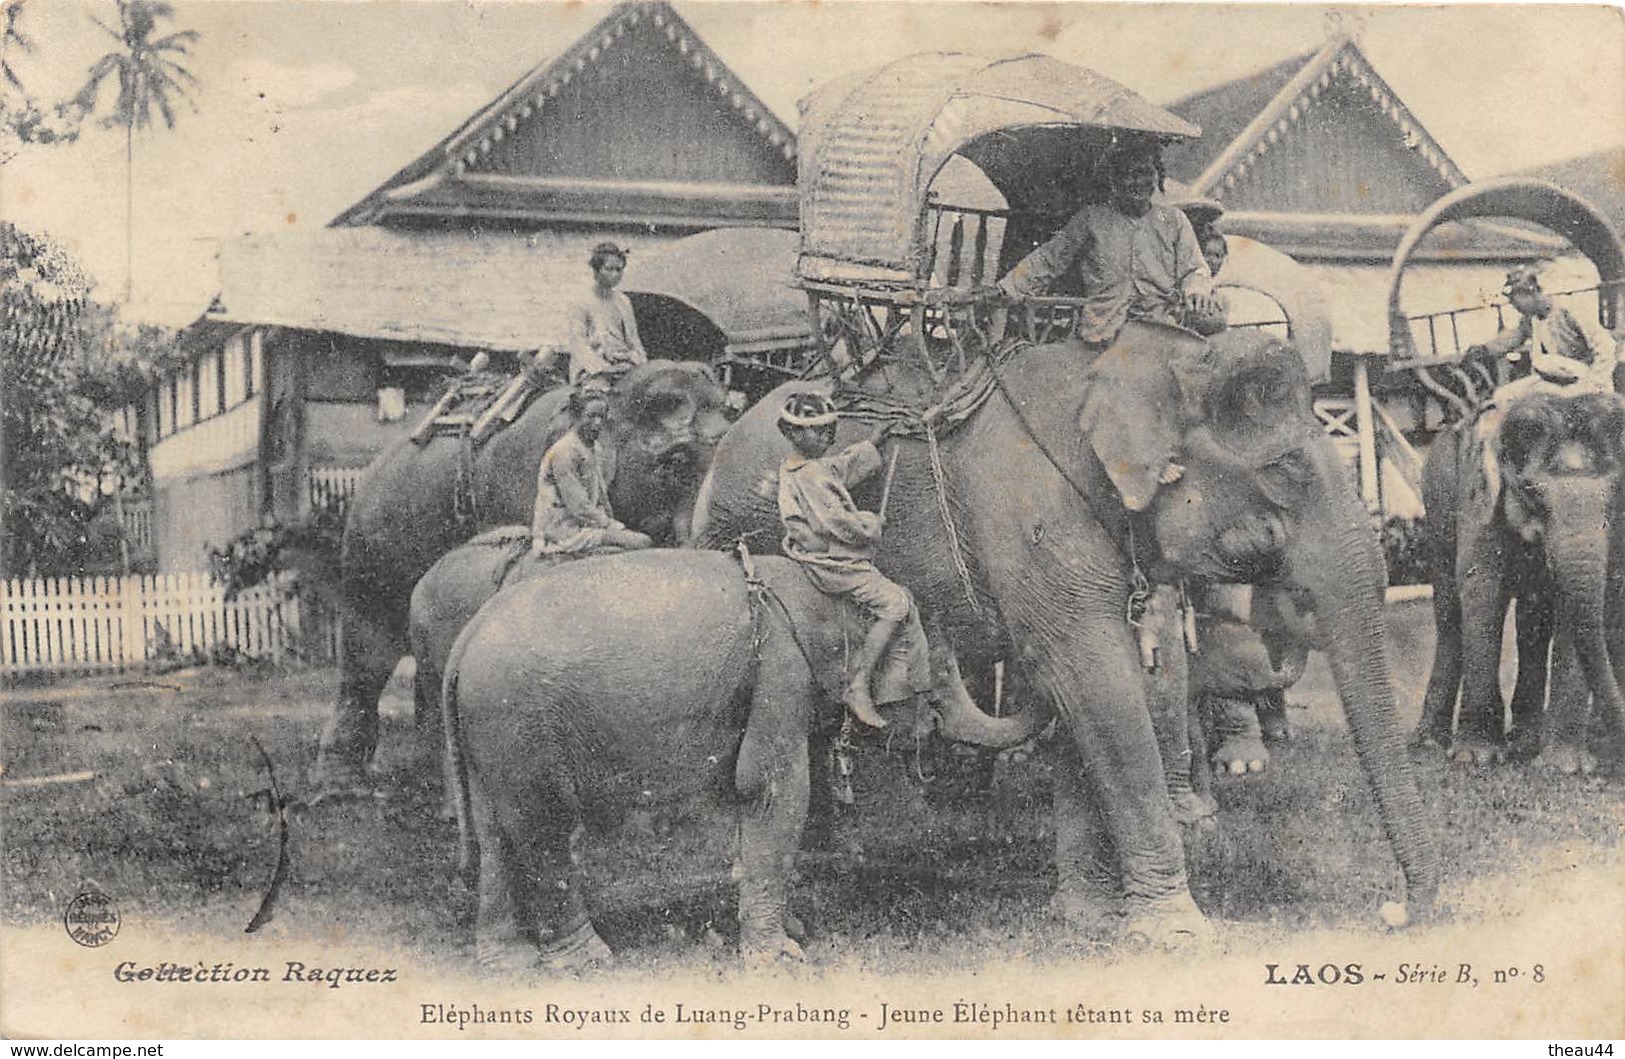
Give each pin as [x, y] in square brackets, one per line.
[835, 544]
[572, 516]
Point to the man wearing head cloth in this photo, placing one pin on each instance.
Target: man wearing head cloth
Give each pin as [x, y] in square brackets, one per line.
[1136, 259]
[835, 544]
[1548, 340]
[602, 334]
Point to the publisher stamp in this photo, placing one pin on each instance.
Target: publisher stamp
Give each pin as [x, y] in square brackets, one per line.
[91, 919]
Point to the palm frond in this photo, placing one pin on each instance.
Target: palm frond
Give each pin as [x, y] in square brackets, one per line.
[178, 40]
[109, 30]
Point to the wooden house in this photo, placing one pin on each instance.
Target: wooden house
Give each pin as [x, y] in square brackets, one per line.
[325, 346]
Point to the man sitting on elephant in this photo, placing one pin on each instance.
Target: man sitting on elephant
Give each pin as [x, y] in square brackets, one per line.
[1560, 349]
[603, 335]
[835, 543]
[1136, 259]
[572, 515]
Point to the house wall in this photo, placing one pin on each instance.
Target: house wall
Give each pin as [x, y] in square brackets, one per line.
[1343, 156]
[658, 111]
[203, 425]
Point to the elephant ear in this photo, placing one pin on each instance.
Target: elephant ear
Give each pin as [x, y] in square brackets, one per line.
[1133, 416]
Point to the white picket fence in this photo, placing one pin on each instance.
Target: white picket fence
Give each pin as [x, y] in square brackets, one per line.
[107, 624]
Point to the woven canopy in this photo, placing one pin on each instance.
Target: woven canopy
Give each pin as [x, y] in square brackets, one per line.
[1518, 198]
[871, 143]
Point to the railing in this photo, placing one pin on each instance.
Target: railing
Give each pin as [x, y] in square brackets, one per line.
[332, 488]
[137, 520]
[1444, 328]
[961, 269]
[109, 624]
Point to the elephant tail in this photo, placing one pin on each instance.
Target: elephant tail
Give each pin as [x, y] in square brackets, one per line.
[468, 852]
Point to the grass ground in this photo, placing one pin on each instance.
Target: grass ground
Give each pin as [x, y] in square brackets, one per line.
[172, 826]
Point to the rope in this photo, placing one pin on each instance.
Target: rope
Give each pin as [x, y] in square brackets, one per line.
[939, 481]
[1141, 589]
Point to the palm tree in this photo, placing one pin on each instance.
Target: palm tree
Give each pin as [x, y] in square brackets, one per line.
[150, 78]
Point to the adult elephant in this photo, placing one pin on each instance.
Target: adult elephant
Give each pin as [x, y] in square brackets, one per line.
[1022, 532]
[1524, 502]
[665, 420]
[687, 683]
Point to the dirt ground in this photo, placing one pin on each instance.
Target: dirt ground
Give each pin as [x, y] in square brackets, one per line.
[174, 822]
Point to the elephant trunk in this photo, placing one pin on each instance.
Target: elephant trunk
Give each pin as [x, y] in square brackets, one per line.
[960, 720]
[1335, 557]
[1578, 562]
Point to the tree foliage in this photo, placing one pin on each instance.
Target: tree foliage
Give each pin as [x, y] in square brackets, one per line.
[147, 69]
[65, 362]
[25, 119]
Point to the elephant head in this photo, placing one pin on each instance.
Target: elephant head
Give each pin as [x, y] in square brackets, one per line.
[1215, 446]
[666, 418]
[1556, 464]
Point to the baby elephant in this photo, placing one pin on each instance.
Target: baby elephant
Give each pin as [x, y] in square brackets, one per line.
[639, 680]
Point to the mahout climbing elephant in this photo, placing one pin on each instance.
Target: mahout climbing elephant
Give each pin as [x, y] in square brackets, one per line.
[417, 501]
[1524, 501]
[644, 680]
[1022, 531]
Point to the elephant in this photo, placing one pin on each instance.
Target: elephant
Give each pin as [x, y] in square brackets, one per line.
[665, 419]
[640, 680]
[1524, 502]
[1254, 644]
[1024, 530]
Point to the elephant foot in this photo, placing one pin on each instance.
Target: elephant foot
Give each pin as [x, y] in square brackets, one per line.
[1241, 756]
[761, 951]
[505, 956]
[1426, 737]
[581, 950]
[1567, 761]
[1239, 740]
[1093, 914]
[1170, 924]
[1192, 809]
[1475, 750]
[794, 927]
[338, 781]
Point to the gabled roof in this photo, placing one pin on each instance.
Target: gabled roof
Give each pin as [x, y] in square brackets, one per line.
[474, 140]
[1243, 119]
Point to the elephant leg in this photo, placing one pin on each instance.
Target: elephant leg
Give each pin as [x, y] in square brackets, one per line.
[499, 942]
[1272, 720]
[1566, 744]
[1444, 679]
[368, 657]
[1534, 621]
[541, 818]
[1099, 688]
[1088, 889]
[1201, 766]
[773, 775]
[1480, 732]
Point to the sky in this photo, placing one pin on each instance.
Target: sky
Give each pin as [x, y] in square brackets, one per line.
[302, 108]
